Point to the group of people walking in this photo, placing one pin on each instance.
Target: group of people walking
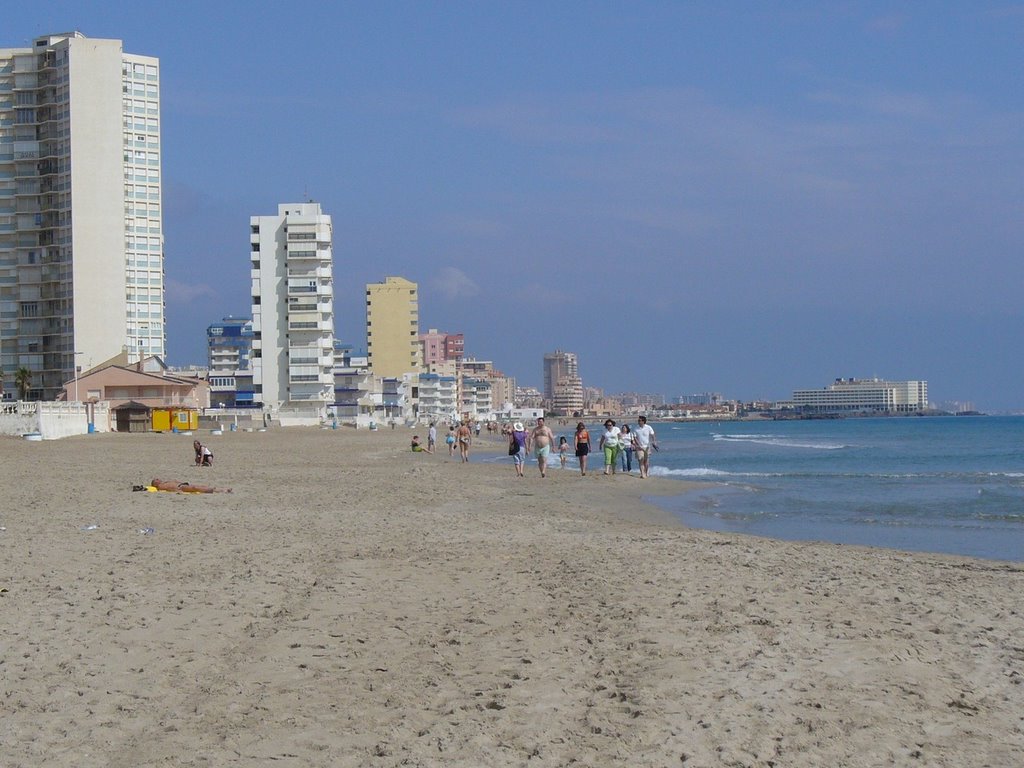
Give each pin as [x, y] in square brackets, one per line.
[617, 445]
[621, 444]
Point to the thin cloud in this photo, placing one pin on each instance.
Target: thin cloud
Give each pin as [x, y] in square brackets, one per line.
[452, 284]
[186, 293]
[887, 26]
[544, 295]
[881, 102]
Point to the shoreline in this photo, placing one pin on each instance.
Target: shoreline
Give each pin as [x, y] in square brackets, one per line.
[354, 603]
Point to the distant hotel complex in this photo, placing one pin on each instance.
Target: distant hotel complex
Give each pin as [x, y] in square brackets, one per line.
[864, 395]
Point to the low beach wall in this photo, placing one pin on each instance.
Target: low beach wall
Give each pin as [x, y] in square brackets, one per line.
[53, 420]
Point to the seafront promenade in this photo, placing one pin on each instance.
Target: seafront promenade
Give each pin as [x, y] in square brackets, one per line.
[352, 603]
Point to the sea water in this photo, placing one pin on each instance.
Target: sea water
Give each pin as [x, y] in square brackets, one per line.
[936, 484]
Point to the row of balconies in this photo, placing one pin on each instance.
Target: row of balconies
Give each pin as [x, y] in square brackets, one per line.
[311, 325]
[320, 289]
[308, 396]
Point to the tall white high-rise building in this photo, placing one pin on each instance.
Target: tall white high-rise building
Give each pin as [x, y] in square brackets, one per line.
[81, 233]
[563, 388]
[293, 309]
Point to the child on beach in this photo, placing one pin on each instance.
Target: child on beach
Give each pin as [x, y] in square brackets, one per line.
[563, 450]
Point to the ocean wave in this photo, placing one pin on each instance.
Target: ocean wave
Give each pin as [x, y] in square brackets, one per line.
[707, 472]
[780, 442]
[690, 472]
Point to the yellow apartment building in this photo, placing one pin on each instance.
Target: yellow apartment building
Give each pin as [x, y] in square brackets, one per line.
[392, 327]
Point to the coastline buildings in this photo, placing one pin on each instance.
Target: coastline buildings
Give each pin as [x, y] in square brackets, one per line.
[440, 347]
[563, 388]
[81, 233]
[293, 309]
[438, 398]
[868, 395]
[228, 356]
[392, 327]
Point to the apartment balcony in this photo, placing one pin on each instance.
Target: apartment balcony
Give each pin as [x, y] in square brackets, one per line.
[26, 150]
[307, 397]
[26, 81]
[311, 325]
[305, 273]
[303, 254]
[301, 289]
[323, 361]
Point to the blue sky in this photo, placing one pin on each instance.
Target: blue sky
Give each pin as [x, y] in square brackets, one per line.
[729, 196]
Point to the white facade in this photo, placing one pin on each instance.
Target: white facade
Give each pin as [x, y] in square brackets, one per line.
[293, 308]
[81, 233]
[438, 398]
[869, 395]
[476, 398]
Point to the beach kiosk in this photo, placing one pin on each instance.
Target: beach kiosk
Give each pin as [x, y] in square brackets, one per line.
[171, 418]
[131, 416]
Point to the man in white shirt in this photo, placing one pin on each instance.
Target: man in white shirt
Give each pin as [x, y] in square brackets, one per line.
[643, 436]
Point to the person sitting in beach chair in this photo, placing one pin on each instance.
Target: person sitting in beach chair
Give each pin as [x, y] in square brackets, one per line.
[204, 456]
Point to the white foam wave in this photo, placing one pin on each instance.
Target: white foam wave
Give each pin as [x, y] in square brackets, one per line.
[779, 442]
[690, 472]
[706, 472]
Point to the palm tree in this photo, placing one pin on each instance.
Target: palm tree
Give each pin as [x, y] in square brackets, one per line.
[23, 381]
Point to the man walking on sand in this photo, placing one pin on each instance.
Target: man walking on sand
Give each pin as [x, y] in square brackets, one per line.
[541, 440]
[644, 437]
[464, 436]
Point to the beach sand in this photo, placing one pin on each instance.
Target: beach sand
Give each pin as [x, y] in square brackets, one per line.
[352, 603]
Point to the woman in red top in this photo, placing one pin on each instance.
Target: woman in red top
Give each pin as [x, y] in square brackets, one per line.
[582, 442]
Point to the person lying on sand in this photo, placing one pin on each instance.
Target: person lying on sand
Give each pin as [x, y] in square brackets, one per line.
[178, 487]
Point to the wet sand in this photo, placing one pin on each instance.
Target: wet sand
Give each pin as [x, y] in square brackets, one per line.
[352, 603]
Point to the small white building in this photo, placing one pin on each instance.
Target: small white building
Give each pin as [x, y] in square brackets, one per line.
[476, 398]
[437, 398]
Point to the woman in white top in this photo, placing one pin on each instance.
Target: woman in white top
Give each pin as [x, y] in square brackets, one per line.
[609, 443]
[626, 449]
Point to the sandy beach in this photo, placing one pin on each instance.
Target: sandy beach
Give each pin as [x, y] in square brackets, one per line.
[351, 603]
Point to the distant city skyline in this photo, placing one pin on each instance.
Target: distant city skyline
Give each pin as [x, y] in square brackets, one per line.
[691, 197]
